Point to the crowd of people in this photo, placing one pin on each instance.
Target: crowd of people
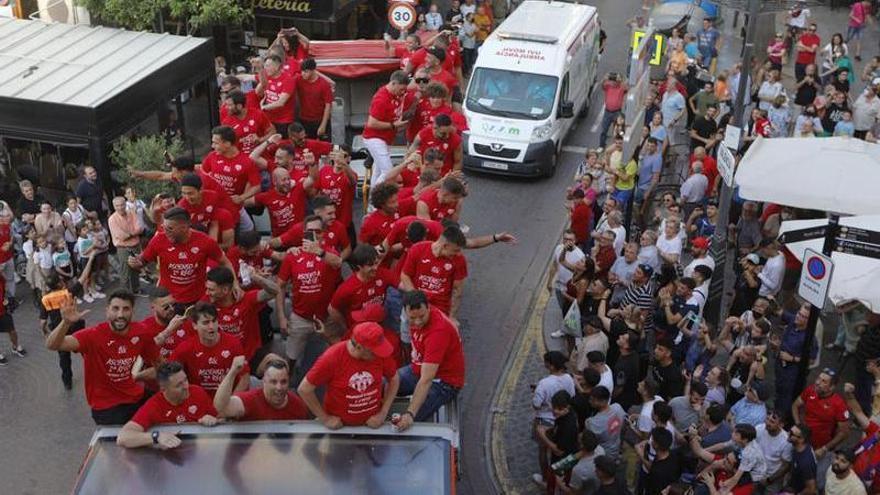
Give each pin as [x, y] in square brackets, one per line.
[643, 394]
[379, 295]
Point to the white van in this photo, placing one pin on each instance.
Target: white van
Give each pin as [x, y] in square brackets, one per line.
[533, 74]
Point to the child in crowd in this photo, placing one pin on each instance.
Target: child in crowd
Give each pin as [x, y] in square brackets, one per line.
[101, 239]
[85, 246]
[845, 127]
[61, 261]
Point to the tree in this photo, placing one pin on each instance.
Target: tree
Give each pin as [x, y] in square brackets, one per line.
[142, 15]
[143, 153]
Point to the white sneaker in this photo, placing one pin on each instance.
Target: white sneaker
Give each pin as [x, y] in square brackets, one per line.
[98, 294]
[557, 334]
[88, 298]
[537, 478]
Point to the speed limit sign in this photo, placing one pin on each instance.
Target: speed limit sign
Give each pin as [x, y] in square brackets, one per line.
[401, 15]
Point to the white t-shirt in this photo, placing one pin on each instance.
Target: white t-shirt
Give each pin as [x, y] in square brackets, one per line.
[706, 261]
[619, 239]
[799, 21]
[669, 246]
[771, 276]
[545, 390]
[646, 424]
[563, 274]
[606, 379]
[776, 449]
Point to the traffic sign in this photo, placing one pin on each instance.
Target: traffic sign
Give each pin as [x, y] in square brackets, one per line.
[726, 165]
[857, 248]
[800, 235]
[731, 137]
[859, 235]
[658, 41]
[401, 15]
[815, 277]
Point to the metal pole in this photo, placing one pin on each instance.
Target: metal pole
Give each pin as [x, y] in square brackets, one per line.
[718, 299]
[807, 349]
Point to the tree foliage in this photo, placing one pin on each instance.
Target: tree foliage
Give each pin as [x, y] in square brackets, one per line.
[141, 15]
[143, 153]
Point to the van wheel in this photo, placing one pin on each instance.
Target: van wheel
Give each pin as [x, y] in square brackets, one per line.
[554, 162]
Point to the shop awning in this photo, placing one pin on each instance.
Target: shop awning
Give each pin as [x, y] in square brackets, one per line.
[73, 84]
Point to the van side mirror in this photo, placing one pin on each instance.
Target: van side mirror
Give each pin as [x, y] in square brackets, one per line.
[566, 109]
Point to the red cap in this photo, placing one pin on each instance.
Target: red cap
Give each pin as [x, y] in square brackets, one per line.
[369, 312]
[700, 243]
[372, 337]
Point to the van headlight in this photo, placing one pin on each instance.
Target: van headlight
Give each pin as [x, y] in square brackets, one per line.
[541, 132]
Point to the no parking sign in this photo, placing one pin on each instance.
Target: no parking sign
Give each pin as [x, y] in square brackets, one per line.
[815, 277]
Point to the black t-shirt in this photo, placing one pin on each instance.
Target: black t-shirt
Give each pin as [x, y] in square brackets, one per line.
[565, 435]
[626, 379]
[663, 473]
[705, 128]
[669, 380]
[580, 403]
[805, 95]
[31, 206]
[833, 115]
[618, 328]
[616, 488]
[842, 86]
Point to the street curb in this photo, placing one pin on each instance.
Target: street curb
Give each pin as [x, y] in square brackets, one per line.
[504, 393]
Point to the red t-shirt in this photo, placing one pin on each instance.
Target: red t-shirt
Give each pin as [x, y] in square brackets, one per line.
[376, 227]
[236, 256]
[397, 234]
[354, 386]
[313, 96]
[406, 201]
[438, 211]
[107, 362]
[867, 461]
[410, 178]
[153, 328]
[459, 121]
[158, 411]
[292, 62]
[233, 173]
[445, 78]
[448, 64]
[206, 366]
[581, 215]
[354, 293]
[434, 275]
[183, 267]
[339, 187]
[403, 53]
[439, 343]
[710, 170]
[6, 236]
[209, 184]
[424, 117]
[210, 209]
[335, 236]
[385, 107]
[257, 408]
[312, 282]
[284, 83]
[447, 146]
[240, 319]
[811, 40]
[316, 146]
[821, 415]
[284, 210]
[251, 101]
[248, 130]
[614, 94]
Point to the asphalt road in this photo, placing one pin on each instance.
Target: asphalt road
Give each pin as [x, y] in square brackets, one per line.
[44, 430]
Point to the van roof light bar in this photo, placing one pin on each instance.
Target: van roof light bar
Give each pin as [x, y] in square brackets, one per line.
[537, 38]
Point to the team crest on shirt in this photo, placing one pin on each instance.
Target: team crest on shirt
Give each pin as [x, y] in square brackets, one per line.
[192, 409]
[225, 354]
[209, 209]
[180, 418]
[237, 167]
[135, 340]
[251, 122]
[360, 381]
[227, 169]
[195, 250]
[181, 332]
[447, 266]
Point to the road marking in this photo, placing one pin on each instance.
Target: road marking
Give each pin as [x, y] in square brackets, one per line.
[533, 336]
[595, 128]
[580, 150]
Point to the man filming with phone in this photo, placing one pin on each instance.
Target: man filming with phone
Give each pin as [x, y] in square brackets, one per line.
[614, 88]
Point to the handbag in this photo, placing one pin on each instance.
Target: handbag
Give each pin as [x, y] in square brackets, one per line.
[571, 325]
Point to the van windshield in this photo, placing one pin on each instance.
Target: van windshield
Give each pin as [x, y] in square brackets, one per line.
[517, 95]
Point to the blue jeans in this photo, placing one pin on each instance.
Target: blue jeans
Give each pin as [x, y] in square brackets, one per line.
[439, 394]
[607, 119]
[393, 309]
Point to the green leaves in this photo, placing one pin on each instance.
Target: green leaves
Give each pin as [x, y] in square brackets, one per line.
[142, 15]
[143, 153]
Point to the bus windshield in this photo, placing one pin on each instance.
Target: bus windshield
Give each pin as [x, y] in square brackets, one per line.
[516, 95]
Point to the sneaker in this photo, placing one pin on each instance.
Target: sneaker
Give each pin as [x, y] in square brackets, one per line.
[19, 351]
[537, 478]
[3, 360]
[98, 294]
[88, 298]
[557, 334]
[79, 301]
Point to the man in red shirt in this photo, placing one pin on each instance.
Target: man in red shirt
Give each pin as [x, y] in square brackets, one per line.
[206, 212]
[7, 265]
[312, 272]
[580, 217]
[432, 103]
[437, 204]
[315, 100]
[278, 89]
[710, 169]
[405, 51]
[233, 170]
[177, 403]
[109, 352]
[441, 136]
[183, 256]
[306, 152]
[285, 201]
[353, 371]
[385, 120]
[614, 88]
[338, 181]
[826, 414]
[404, 230]
[251, 125]
[251, 251]
[377, 224]
[273, 401]
[207, 356]
[438, 269]
[807, 48]
[334, 233]
[168, 330]
[232, 83]
[435, 56]
[366, 285]
[436, 373]
[237, 312]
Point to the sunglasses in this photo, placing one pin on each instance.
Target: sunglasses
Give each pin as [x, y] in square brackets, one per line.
[422, 80]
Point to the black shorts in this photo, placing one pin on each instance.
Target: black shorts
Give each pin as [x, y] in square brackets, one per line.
[117, 415]
[258, 358]
[6, 323]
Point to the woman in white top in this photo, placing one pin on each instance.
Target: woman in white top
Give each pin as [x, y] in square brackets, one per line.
[829, 54]
[71, 217]
[669, 244]
[769, 90]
